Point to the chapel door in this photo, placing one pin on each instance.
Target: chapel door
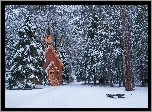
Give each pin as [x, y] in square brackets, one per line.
[51, 75]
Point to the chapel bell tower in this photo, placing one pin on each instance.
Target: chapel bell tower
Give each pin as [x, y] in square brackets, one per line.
[48, 37]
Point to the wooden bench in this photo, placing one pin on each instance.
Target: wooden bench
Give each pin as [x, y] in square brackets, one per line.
[119, 95]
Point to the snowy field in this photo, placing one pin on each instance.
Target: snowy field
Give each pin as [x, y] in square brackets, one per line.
[76, 95]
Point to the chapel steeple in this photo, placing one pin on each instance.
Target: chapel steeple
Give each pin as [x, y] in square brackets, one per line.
[48, 37]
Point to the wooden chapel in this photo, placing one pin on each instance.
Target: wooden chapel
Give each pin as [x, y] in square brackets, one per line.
[53, 65]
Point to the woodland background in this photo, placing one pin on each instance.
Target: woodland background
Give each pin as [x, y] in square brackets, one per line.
[87, 38]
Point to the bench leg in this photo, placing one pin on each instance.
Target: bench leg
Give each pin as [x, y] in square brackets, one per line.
[111, 97]
[121, 97]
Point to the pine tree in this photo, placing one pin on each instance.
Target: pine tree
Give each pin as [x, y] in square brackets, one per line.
[114, 59]
[9, 50]
[140, 43]
[62, 55]
[28, 59]
[92, 43]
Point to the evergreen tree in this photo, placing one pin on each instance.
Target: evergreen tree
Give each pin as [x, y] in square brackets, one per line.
[140, 42]
[92, 43]
[113, 45]
[65, 60]
[9, 50]
[28, 59]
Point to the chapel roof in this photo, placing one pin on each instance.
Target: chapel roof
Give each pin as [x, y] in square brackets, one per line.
[54, 53]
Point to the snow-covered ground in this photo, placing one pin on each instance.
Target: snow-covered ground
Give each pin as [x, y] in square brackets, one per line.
[75, 95]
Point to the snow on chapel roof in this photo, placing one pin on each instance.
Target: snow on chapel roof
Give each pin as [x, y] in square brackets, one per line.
[48, 66]
[51, 64]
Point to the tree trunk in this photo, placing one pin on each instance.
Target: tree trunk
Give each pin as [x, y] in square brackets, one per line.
[142, 79]
[120, 81]
[94, 80]
[111, 79]
[120, 76]
[128, 74]
[85, 79]
[123, 79]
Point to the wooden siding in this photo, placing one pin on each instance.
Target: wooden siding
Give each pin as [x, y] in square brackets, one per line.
[49, 56]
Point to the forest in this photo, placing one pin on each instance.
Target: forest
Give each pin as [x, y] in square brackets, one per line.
[87, 38]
